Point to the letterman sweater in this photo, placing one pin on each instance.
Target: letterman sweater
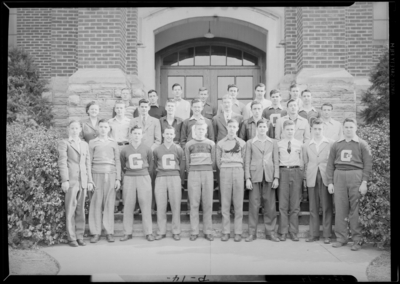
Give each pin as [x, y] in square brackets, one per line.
[200, 155]
[169, 162]
[136, 162]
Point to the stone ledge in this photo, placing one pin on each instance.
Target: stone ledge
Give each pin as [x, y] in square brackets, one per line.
[98, 76]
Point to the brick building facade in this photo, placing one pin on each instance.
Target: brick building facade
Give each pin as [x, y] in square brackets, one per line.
[92, 53]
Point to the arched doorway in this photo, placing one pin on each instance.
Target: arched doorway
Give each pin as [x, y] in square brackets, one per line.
[212, 63]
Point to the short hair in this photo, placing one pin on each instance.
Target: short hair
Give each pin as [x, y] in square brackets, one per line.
[203, 89]
[152, 91]
[255, 103]
[125, 89]
[293, 86]
[195, 101]
[176, 84]
[262, 121]
[143, 101]
[288, 122]
[169, 127]
[170, 101]
[259, 85]
[232, 120]
[349, 119]
[306, 91]
[291, 100]
[136, 127]
[91, 104]
[327, 104]
[226, 96]
[200, 122]
[103, 120]
[316, 121]
[119, 102]
[75, 121]
[274, 91]
[232, 86]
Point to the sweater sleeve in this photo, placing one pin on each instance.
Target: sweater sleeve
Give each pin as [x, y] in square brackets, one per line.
[218, 155]
[117, 160]
[330, 166]
[247, 160]
[184, 134]
[213, 155]
[62, 160]
[367, 160]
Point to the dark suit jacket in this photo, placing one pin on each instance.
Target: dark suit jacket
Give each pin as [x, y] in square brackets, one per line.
[88, 131]
[220, 127]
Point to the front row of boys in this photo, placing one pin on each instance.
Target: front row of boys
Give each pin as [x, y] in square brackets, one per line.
[340, 168]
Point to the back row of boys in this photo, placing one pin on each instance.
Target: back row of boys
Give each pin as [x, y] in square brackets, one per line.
[263, 163]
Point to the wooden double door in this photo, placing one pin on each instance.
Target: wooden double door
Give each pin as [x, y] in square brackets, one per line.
[215, 79]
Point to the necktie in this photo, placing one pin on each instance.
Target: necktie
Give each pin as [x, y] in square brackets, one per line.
[288, 147]
[144, 122]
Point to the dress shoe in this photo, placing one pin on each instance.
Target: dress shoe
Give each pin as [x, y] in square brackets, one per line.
[137, 211]
[193, 237]
[110, 238]
[339, 244]
[153, 212]
[356, 246]
[125, 238]
[282, 237]
[312, 239]
[327, 240]
[232, 211]
[159, 237]
[95, 239]
[73, 244]
[176, 237]
[81, 242]
[209, 237]
[272, 237]
[294, 237]
[225, 237]
[150, 237]
[251, 238]
[237, 238]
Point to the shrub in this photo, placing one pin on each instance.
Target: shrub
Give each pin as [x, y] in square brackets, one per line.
[375, 205]
[24, 93]
[35, 201]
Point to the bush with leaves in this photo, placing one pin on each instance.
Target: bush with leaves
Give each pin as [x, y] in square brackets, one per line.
[35, 201]
[374, 207]
[24, 93]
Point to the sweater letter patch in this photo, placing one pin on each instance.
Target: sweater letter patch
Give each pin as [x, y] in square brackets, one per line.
[168, 162]
[135, 161]
[345, 156]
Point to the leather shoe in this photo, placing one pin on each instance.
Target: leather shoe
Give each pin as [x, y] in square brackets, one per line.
[272, 237]
[294, 237]
[95, 239]
[282, 237]
[312, 239]
[176, 237]
[73, 244]
[225, 237]
[81, 242]
[339, 244]
[237, 238]
[327, 241]
[209, 237]
[159, 237]
[251, 238]
[125, 238]
[150, 237]
[356, 246]
[193, 237]
[110, 238]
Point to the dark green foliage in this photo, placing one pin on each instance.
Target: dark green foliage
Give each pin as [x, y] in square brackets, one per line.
[376, 98]
[375, 205]
[24, 92]
[35, 201]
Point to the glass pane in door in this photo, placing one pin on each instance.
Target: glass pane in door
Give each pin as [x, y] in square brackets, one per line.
[175, 79]
[193, 84]
[202, 55]
[234, 57]
[245, 85]
[186, 57]
[218, 55]
[223, 83]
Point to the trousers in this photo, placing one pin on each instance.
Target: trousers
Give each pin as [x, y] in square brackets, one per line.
[200, 185]
[101, 211]
[168, 187]
[346, 196]
[232, 188]
[140, 186]
[75, 211]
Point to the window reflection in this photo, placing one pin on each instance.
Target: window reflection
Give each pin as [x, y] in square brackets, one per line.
[218, 55]
[193, 84]
[186, 57]
[249, 60]
[234, 57]
[202, 55]
[245, 85]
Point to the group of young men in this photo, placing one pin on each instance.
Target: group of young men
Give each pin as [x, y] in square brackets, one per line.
[259, 146]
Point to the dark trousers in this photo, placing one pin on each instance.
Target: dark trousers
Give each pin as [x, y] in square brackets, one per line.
[291, 182]
[262, 190]
[319, 196]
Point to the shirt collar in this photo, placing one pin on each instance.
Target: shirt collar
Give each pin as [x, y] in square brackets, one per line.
[155, 105]
[278, 107]
[355, 139]
[312, 109]
[78, 140]
[255, 139]
[225, 113]
[329, 121]
[324, 139]
[176, 100]
[236, 102]
[201, 117]
[234, 138]
[124, 118]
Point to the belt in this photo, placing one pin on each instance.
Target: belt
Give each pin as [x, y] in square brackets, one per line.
[289, 167]
[123, 143]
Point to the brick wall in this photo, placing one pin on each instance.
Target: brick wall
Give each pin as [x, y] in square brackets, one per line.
[290, 40]
[299, 40]
[122, 39]
[131, 43]
[64, 40]
[100, 42]
[359, 32]
[34, 35]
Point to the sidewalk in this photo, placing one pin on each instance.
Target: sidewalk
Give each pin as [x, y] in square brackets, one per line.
[121, 261]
